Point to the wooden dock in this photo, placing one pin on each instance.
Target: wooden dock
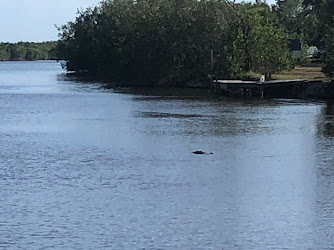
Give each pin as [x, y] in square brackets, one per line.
[269, 89]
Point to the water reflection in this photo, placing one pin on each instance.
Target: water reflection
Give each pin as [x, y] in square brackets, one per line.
[326, 124]
[92, 168]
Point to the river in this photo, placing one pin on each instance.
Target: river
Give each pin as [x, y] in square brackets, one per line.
[87, 167]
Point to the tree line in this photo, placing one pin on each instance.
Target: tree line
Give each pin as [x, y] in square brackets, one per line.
[175, 41]
[28, 51]
[312, 21]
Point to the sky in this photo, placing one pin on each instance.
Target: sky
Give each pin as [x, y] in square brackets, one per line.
[35, 20]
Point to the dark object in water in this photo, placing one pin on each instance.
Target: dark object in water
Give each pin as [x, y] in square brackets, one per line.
[199, 152]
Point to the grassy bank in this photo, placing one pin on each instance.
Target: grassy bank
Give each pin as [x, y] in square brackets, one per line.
[309, 72]
[303, 72]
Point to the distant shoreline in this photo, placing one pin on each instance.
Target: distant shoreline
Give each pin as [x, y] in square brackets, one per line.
[28, 51]
[51, 59]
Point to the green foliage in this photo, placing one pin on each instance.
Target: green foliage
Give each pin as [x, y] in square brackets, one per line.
[328, 68]
[324, 13]
[27, 51]
[313, 22]
[170, 41]
[300, 19]
[291, 15]
[269, 50]
[260, 46]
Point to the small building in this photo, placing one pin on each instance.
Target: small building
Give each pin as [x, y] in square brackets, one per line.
[313, 52]
[295, 47]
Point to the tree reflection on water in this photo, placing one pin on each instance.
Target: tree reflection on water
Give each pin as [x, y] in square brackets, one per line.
[326, 121]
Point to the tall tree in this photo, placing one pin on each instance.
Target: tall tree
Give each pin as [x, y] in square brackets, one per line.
[290, 14]
[13, 52]
[326, 18]
[260, 43]
[170, 41]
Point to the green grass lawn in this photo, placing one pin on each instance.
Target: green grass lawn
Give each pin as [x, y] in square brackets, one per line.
[299, 72]
[302, 72]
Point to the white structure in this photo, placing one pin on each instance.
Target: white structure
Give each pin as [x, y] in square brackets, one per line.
[313, 51]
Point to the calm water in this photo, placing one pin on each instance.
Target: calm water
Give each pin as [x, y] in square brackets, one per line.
[82, 167]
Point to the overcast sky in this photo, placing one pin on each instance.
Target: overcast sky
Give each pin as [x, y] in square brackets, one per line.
[34, 20]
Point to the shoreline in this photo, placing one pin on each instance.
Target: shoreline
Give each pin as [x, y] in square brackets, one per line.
[300, 89]
[51, 59]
